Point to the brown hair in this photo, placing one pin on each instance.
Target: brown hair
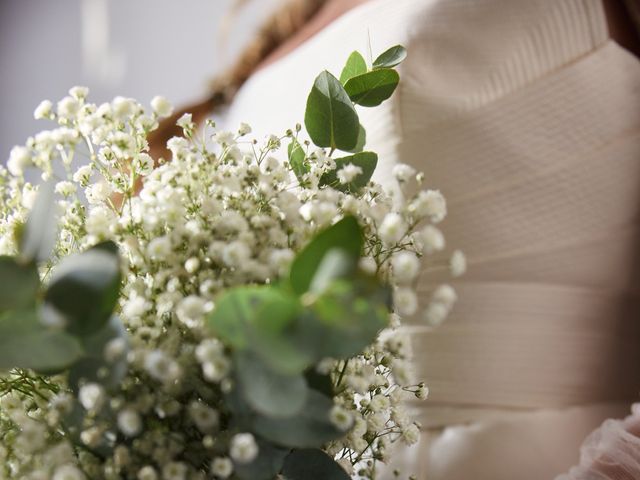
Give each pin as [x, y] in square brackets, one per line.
[283, 24]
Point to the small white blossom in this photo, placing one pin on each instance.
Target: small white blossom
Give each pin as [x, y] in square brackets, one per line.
[161, 367]
[82, 175]
[185, 121]
[147, 473]
[341, 418]
[143, 164]
[458, 263]
[392, 229]
[19, 159]
[348, 173]
[68, 107]
[205, 418]
[66, 188]
[429, 204]
[161, 106]
[79, 93]
[67, 472]
[174, 471]
[92, 396]
[43, 110]
[430, 240]
[405, 266]
[222, 467]
[129, 422]
[244, 448]
[403, 172]
[244, 129]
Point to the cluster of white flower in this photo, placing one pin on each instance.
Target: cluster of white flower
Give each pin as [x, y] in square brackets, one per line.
[222, 212]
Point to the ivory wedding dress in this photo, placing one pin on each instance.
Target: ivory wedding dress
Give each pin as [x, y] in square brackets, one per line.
[527, 117]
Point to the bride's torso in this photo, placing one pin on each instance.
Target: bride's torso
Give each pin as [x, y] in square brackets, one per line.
[527, 117]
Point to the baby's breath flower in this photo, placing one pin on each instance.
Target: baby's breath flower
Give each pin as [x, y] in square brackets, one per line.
[348, 173]
[161, 106]
[43, 110]
[221, 467]
[92, 396]
[341, 418]
[244, 448]
[458, 263]
[129, 422]
[19, 159]
[392, 229]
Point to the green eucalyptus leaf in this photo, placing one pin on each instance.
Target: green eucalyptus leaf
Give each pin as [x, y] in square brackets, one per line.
[367, 161]
[99, 365]
[319, 382]
[362, 140]
[330, 118]
[345, 235]
[281, 353]
[245, 313]
[266, 391]
[336, 263]
[266, 465]
[39, 235]
[391, 57]
[20, 283]
[305, 464]
[297, 160]
[372, 88]
[310, 428]
[345, 318]
[26, 343]
[355, 66]
[84, 288]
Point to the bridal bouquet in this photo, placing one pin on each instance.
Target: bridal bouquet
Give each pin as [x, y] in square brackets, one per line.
[236, 317]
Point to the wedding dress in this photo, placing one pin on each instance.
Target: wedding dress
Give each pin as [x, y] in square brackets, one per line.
[526, 115]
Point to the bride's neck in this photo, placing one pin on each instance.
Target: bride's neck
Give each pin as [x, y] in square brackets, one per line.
[327, 14]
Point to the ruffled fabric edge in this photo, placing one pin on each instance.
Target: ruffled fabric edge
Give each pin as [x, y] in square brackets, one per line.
[612, 452]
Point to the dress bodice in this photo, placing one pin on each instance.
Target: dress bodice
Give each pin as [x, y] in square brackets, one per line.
[527, 117]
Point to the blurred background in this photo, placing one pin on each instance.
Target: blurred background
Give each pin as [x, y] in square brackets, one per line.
[133, 48]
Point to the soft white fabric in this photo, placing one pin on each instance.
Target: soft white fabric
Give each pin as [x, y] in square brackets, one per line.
[527, 117]
[612, 452]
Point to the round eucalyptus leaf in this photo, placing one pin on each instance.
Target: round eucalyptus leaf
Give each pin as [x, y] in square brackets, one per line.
[372, 88]
[85, 288]
[362, 140]
[310, 428]
[355, 66]
[268, 392]
[344, 319]
[244, 313]
[19, 284]
[330, 118]
[346, 235]
[297, 160]
[391, 57]
[26, 343]
[308, 463]
[39, 235]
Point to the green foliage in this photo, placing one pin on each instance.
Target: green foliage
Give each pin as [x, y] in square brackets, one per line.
[391, 57]
[269, 392]
[367, 161]
[330, 118]
[26, 343]
[309, 428]
[39, 235]
[84, 288]
[372, 88]
[362, 140]
[345, 235]
[355, 66]
[297, 160]
[345, 318]
[306, 464]
[20, 284]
